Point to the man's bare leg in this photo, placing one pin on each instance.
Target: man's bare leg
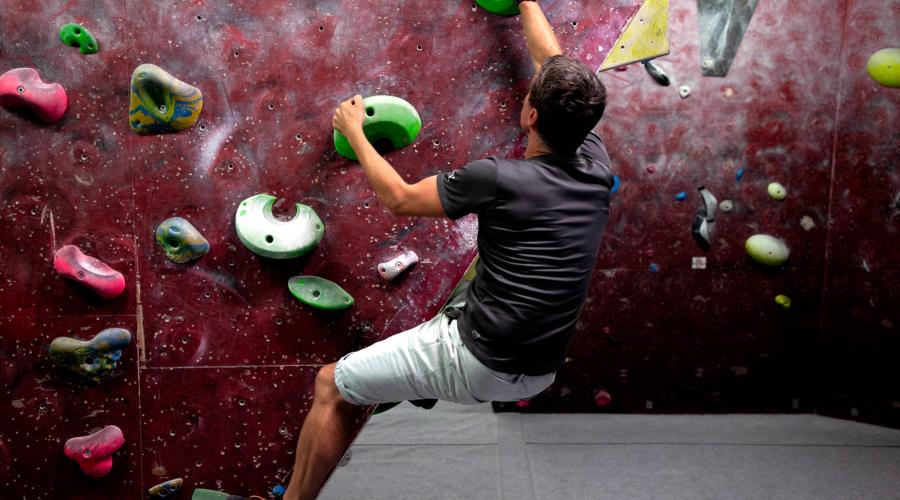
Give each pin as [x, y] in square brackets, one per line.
[325, 434]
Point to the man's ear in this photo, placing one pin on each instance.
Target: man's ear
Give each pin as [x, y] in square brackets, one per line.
[532, 117]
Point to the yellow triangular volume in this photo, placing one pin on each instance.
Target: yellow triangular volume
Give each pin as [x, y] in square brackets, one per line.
[646, 37]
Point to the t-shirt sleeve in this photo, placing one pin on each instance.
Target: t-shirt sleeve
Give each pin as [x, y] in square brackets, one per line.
[468, 189]
[593, 149]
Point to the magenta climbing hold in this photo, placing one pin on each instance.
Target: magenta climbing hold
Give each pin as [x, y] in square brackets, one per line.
[71, 263]
[602, 399]
[394, 267]
[23, 88]
[94, 452]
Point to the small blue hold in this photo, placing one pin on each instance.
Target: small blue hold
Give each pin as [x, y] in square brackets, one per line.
[616, 184]
[278, 491]
[654, 268]
[739, 174]
[681, 196]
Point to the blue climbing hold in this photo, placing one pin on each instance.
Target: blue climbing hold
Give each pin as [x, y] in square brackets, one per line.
[739, 174]
[278, 491]
[616, 184]
[681, 196]
[654, 268]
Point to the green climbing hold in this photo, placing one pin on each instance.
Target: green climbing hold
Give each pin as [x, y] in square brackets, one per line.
[501, 7]
[767, 250]
[93, 358]
[387, 118]
[777, 191]
[784, 301]
[265, 235]
[884, 67]
[75, 35]
[202, 494]
[319, 292]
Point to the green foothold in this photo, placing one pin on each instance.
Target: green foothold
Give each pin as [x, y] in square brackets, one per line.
[93, 358]
[784, 301]
[777, 191]
[75, 35]
[265, 235]
[884, 67]
[202, 494]
[319, 293]
[767, 250]
[501, 7]
[387, 118]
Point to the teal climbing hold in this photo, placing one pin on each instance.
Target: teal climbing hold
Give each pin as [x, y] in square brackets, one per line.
[265, 235]
[501, 7]
[75, 35]
[387, 118]
[319, 292]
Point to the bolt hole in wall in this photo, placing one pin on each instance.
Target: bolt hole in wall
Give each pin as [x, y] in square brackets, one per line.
[269, 238]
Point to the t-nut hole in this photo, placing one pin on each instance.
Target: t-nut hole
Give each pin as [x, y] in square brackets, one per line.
[316, 293]
[20, 90]
[321, 28]
[86, 453]
[77, 31]
[202, 127]
[574, 23]
[163, 108]
[81, 275]
[381, 268]
[370, 111]
[173, 243]
[418, 47]
[271, 106]
[269, 238]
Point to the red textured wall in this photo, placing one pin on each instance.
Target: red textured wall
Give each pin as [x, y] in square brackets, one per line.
[225, 375]
[797, 107]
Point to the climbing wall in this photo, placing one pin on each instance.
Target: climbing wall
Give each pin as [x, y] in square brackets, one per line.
[219, 375]
[670, 327]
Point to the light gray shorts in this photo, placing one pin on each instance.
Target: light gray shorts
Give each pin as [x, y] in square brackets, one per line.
[429, 362]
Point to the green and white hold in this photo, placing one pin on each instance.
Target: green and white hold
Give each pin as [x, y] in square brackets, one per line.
[261, 232]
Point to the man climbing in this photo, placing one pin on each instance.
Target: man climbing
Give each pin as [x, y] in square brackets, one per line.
[540, 223]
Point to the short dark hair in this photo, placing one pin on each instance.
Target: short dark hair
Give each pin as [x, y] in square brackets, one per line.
[569, 99]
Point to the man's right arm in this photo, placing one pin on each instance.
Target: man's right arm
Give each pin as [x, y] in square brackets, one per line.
[539, 36]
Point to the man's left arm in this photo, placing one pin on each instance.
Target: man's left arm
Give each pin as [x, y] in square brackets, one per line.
[401, 198]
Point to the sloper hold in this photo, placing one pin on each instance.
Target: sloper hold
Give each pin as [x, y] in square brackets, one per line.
[181, 241]
[94, 452]
[71, 263]
[319, 292]
[646, 36]
[160, 102]
[722, 27]
[387, 118]
[884, 67]
[265, 235]
[204, 494]
[93, 359]
[75, 35]
[767, 250]
[501, 7]
[23, 88]
[167, 489]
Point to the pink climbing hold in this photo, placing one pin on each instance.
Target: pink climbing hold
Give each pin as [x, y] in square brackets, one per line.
[94, 452]
[23, 88]
[602, 398]
[523, 403]
[96, 275]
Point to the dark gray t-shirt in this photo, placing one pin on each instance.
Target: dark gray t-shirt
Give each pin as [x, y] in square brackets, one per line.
[539, 227]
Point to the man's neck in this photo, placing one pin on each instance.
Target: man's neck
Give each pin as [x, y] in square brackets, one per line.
[536, 146]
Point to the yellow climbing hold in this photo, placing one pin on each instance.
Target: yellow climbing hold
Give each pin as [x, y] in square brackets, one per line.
[784, 301]
[646, 37]
[884, 67]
